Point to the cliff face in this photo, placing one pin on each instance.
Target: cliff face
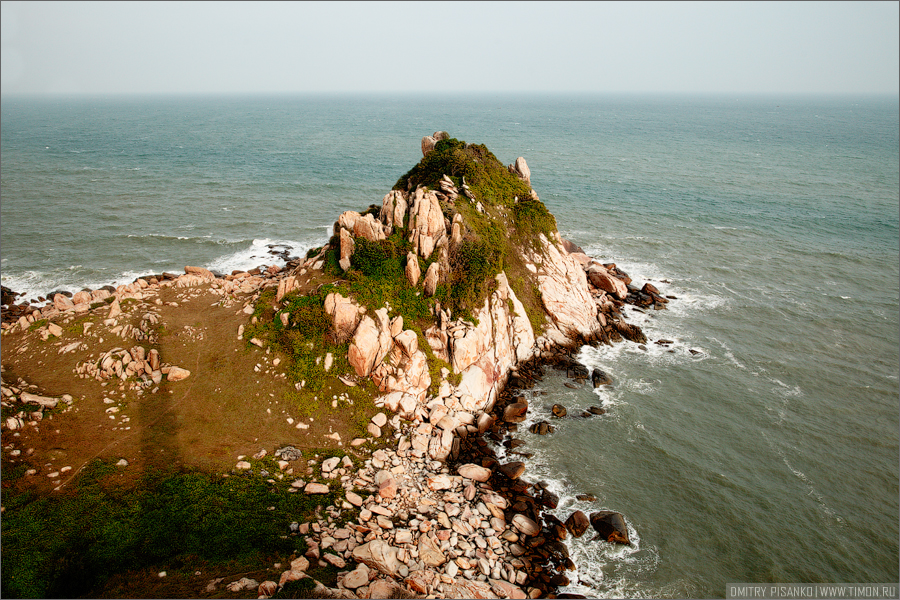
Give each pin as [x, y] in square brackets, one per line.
[483, 239]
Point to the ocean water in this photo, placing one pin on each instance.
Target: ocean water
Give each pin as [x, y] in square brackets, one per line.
[770, 455]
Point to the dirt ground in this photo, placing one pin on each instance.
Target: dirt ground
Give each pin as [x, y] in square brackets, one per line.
[233, 403]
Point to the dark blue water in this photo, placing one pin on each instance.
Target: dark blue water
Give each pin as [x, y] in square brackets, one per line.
[771, 455]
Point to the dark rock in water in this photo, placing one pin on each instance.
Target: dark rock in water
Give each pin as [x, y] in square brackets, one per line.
[542, 428]
[513, 470]
[548, 499]
[578, 371]
[63, 292]
[559, 580]
[571, 246]
[559, 411]
[610, 526]
[671, 297]
[663, 342]
[642, 347]
[695, 352]
[630, 332]
[513, 443]
[557, 549]
[649, 288]
[586, 415]
[599, 377]
[586, 498]
[515, 413]
[570, 595]
[577, 523]
[573, 386]
[596, 410]
[7, 296]
[515, 382]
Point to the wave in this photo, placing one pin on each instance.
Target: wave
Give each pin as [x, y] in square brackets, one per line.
[241, 255]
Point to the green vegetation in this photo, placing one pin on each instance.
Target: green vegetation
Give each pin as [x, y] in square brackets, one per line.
[68, 545]
[510, 219]
[37, 324]
[306, 340]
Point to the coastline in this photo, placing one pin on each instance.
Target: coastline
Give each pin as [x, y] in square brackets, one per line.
[472, 449]
[513, 548]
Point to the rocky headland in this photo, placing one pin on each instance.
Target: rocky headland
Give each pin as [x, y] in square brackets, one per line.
[421, 321]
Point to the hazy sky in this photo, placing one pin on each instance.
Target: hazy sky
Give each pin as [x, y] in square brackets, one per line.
[258, 48]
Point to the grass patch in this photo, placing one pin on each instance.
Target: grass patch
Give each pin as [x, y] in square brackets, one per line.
[37, 324]
[69, 545]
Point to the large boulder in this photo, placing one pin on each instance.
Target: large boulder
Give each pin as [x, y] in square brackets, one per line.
[513, 470]
[428, 144]
[370, 345]
[345, 315]
[610, 526]
[520, 168]
[393, 209]
[369, 228]
[426, 222]
[432, 277]
[600, 377]
[413, 271]
[347, 219]
[430, 553]
[515, 412]
[602, 279]
[347, 248]
[200, 272]
[474, 472]
[577, 523]
[378, 554]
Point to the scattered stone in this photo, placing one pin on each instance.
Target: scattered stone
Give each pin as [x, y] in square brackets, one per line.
[356, 578]
[316, 488]
[525, 525]
[334, 560]
[474, 472]
[177, 374]
[513, 470]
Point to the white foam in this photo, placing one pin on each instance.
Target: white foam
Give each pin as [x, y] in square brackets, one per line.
[34, 284]
[257, 254]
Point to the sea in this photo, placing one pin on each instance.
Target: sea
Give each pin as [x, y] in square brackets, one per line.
[758, 444]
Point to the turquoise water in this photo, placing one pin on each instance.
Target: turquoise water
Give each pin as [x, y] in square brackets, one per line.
[771, 455]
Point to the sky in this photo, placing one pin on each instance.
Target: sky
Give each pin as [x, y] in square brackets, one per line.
[105, 48]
